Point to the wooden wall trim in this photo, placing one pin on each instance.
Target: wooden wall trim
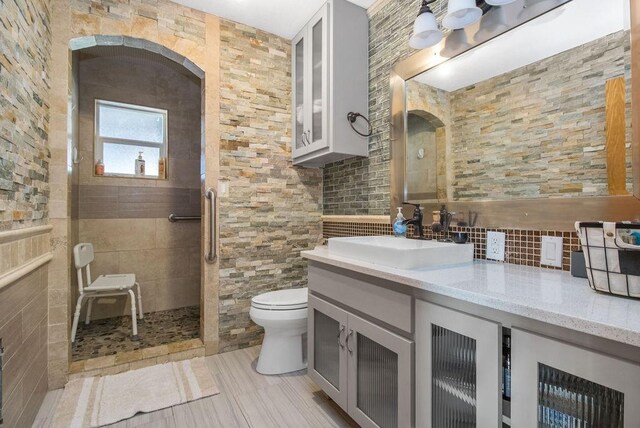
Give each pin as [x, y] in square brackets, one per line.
[14, 235]
[616, 136]
[17, 273]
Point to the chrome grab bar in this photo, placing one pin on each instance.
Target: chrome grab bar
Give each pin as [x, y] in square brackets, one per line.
[175, 218]
[213, 233]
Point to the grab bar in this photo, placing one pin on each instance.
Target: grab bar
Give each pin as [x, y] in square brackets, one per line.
[213, 254]
[175, 218]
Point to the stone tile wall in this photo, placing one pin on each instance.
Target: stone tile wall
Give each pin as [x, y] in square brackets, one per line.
[23, 328]
[164, 256]
[361, 185]
[23, 322]
[139, 78]
[273, 209]
[548, 139]
[25, 41]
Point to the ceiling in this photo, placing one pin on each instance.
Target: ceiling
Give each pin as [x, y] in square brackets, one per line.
[573, 24]
[281, 17]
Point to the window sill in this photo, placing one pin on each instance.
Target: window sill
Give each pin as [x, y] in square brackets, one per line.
[139, 177]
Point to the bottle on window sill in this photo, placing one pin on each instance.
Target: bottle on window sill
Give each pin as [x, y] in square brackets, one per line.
[140, 165]
[99, 168]
[162, 168]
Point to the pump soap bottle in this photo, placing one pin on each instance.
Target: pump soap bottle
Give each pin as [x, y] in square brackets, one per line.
[140, 165]
[399, 227]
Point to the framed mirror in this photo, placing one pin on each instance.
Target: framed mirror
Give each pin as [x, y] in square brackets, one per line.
[523, 116]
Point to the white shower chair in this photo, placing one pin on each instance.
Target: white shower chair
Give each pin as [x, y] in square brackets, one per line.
[103, 286]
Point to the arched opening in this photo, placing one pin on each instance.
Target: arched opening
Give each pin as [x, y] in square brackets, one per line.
[425, 151]
[136, 118]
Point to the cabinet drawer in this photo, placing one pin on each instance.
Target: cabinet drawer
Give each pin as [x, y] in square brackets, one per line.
[383, 304]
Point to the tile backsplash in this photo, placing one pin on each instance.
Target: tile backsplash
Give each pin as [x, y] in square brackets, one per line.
[522, 247]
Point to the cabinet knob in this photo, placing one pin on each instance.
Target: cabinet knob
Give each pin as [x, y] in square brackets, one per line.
[340, 335]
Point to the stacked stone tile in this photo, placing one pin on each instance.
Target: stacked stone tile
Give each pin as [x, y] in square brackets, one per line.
[538, 131]
[357, 185]
[273, 209]
[25, 41]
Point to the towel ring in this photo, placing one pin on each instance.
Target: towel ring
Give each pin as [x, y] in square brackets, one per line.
[352, 117]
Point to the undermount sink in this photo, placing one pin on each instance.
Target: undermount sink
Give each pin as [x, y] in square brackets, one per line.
[401, 253]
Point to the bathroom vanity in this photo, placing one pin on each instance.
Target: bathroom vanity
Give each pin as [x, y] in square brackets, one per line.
[423, 347]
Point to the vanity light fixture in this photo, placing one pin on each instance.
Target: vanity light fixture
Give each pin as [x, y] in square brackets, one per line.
[461, 13]
[425, 28]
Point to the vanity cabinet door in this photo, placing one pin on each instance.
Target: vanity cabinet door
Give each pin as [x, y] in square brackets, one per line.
[327, 356]
[555, 384]
[380, 376]
[458, 378]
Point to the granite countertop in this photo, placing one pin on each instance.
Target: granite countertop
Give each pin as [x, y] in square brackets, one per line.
[551, 296]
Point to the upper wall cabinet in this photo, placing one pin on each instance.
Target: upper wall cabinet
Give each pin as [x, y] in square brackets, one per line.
[330, 79]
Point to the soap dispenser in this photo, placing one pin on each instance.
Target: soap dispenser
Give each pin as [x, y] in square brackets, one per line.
[399, 226]
[140, 165]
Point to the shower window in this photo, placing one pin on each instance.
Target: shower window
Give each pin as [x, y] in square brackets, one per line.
[123, 132]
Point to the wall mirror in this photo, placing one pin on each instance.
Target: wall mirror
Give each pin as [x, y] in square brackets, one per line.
[521, 116]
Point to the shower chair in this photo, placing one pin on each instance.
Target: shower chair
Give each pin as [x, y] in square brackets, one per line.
[103, 286]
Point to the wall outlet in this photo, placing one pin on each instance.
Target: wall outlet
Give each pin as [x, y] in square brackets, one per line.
[551, 254]
[495, 246]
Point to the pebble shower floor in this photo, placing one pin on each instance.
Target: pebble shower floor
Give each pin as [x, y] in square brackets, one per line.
[113, 335]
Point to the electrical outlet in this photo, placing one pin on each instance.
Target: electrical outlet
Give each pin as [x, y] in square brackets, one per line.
[551, 254]
[495, 246]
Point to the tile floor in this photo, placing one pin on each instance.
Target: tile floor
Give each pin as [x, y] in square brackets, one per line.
[246, 399]
[113, 335]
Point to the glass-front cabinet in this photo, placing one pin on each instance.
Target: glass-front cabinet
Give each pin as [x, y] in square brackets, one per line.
[364, 368]
[330, 70]
[310, 85]
[458, 369]
[327, 359]
[555, 384]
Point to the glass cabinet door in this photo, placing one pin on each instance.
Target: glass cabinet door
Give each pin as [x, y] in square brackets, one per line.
[300, 142]
[555, 384]
[457, 369]
[318, 44]
[380, 376]
[327, 356]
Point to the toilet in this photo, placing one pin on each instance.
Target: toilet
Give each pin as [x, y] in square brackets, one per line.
[283, 315]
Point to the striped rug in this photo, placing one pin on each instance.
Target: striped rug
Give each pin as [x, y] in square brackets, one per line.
[103, 400]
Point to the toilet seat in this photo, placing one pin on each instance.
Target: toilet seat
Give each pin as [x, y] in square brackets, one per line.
[281, 300]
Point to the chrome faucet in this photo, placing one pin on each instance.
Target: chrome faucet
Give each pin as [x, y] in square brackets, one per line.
[416, 221]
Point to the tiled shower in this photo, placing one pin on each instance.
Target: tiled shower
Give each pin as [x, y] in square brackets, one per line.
[125, 217]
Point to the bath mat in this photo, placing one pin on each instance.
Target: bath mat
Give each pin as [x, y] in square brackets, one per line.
[103, 400]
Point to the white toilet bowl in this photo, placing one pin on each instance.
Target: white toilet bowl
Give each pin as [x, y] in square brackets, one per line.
[283, 315]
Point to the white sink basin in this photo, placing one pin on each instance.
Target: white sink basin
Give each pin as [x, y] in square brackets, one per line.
[401, 253]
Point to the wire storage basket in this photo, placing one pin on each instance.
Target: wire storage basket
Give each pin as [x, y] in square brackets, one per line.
[612, 256]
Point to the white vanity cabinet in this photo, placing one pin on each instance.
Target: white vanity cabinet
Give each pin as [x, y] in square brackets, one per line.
[458, 362]
[329, 80]
[363, 367]
[555, 384]
[360, 347]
